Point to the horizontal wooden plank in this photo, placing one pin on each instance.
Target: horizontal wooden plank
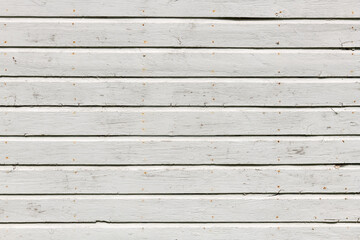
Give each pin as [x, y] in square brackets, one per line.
[178, 33]
[184, 8]
[179, 92]
[179, 150]
[219, 208]
[150, 231]
[178, 62]
[175, 179]
[178, 121]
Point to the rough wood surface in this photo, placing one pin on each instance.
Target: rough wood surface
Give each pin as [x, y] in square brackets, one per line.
[210, 231]
[179, 62]
[179, 121]
[176, 179]
[179, 150]
[184, 8]
[190, 208]
[179, 92]
[178, 33]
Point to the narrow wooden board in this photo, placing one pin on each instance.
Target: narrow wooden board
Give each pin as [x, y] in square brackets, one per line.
[179, 62]
[175, 179]
[179, 92]
[184, 8]
[217, 208]
[179, 121]
[179, 150]
[16, 32]
[150, 231]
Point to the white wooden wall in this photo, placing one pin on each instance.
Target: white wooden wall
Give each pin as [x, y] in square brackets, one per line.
[179, 119]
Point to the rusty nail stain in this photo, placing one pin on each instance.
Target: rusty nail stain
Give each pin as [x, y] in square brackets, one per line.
[213, 11]
[73, 53]
[143, 25]
[73, 41]
[324, 188]
[73, 24]
[145, 42]
[213, 41]
[212, 25]
[278, 186]
[7, 157]
[343, 141]
[5, 70]
[73, 159]
[74, 10]
[277, 216]
[5, 142]
[144, 55]
[5, 41]
[143, 10]
[145, 172]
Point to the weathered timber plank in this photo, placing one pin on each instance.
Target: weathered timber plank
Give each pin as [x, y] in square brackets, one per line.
[179, 62]
[179, 121]
[194, 208]
[184, 8]
[178, 33]
[179, 92]
[184, 179]
[179, 150]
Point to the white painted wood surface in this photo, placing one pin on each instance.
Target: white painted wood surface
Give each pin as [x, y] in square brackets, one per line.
[176, 119]
[184, 8]
[180, 179]
[229, 231]
[179, 92]
[178, 33]
[180, 231]
[179, 150]
[179, 121]
[188, 208]
[179, 62]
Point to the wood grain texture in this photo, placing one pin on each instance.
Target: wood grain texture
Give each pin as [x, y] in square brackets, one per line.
[150, 231]
[178, 33]
[179, 121]
[219, 208]
[184, 179]
[179, 92]
[179, 150]
[187, 8]
[179, 62]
